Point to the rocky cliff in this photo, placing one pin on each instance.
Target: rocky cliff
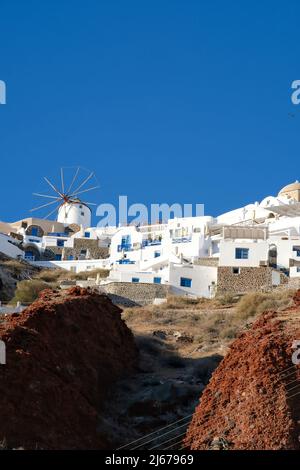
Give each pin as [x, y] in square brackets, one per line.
[64, 353]
[253, 398]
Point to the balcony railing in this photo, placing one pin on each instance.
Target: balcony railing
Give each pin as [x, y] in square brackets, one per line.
[125, 261]
[150, 243]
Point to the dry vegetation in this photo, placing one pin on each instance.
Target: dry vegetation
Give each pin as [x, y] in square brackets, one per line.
[58, 275]
[181, 343]
[211, 324]
[28, 290]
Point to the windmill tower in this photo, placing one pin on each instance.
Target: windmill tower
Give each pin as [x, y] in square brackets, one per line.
[70, 208]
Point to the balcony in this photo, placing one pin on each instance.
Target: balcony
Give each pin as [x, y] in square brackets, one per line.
[125, 261]
[58, 234]
[150, 243]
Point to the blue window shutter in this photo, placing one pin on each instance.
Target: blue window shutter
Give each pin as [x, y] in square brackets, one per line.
[241, 253]
[185, 282]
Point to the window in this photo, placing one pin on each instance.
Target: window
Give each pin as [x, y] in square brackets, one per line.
[34, 231]
[60, 242]
[83, 252]
[70, 257]
[87, 235]
[297, 249]
[157, 280]
[185, 282]
[241, 253]
[125, 243]
[57, 257]
[236, 270]
[135, 279]
[82, 213]
[126, 240]
[156, 254]
[298, 269]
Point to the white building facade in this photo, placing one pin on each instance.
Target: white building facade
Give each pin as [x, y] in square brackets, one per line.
[185, 253]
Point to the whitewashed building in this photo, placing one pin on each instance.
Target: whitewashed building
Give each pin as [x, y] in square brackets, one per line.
[193, 255]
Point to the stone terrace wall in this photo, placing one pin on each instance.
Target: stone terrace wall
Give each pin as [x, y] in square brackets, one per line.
[207, 261]
[127, 293]
[249, 279]
[95, 251]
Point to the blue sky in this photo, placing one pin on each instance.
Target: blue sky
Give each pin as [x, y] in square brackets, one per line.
[168, 101]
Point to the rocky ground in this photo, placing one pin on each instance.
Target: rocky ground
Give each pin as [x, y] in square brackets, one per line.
[64, 353]
[180, 346]
[82, 374]
[11, 272]
[252, 401]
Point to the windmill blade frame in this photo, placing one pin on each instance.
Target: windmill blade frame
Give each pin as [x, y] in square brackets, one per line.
[73, 180]
[52, 186]
[52, 212]
[62, 192]
[85, 191]
[62, 180]
[45, 195]
[84, 182]
[44, 205]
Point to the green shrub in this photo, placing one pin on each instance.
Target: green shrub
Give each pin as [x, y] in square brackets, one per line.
[28, 291]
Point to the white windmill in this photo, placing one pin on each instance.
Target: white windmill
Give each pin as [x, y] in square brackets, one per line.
[70, 208]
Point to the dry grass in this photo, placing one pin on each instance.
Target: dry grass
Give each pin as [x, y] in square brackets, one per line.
[204, 319]
[84, 275]
[176, 302]
[50, 275]
[14, 266]
[28, 291]
[57, 275]
[255, 303]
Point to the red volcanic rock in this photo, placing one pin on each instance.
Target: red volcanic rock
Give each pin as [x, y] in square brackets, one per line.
[251, 401]
[64, 352]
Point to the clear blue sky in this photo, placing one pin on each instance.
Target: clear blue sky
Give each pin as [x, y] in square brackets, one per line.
[168, 101]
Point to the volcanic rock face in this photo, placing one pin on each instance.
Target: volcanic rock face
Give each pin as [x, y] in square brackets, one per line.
[63, 354]
[12, 271]
[251, 401]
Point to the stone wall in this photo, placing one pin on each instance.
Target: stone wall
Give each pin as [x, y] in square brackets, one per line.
[128, 294]
[249, 279]
[40, 231]
[207, 261]
[92, 247]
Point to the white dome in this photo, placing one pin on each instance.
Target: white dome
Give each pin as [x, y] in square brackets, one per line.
[75, 213]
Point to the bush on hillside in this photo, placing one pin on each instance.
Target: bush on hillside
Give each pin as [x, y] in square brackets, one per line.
[28, 291]
[255, 303]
